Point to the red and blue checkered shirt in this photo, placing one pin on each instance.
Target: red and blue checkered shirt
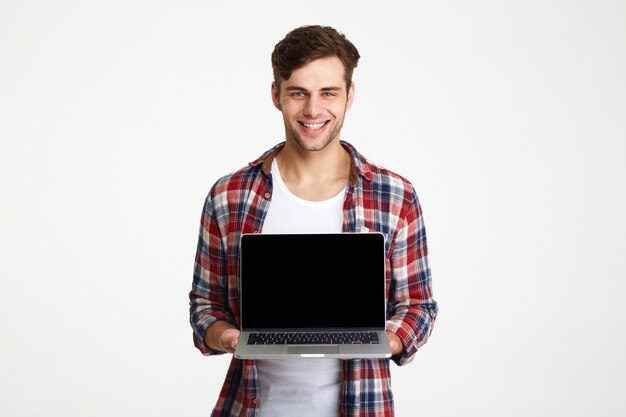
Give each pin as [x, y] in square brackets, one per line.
[377, 200]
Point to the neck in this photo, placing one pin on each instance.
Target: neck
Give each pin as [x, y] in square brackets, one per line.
[314, 175]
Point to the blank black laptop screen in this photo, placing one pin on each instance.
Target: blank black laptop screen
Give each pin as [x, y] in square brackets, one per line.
[310, 281]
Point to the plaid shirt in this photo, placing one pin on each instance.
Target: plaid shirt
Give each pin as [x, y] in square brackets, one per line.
[376, 200]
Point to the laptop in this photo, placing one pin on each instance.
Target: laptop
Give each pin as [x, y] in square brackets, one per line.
[318, 295]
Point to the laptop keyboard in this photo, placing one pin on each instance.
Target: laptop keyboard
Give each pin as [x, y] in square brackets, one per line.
[315, 338]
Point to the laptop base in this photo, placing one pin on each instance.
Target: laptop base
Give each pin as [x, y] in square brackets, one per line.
[348, 351]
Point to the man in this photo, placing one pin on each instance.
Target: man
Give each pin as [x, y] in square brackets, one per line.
[311, 182]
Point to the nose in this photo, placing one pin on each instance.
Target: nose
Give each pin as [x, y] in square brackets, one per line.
[312, 107]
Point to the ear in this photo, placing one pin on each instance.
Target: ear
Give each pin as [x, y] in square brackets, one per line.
[276, 97]
[350, 96]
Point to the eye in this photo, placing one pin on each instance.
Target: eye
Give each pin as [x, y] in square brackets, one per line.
[297, 94]
[328, 94]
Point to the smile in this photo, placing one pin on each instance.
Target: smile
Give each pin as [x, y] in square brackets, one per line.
[313, 126]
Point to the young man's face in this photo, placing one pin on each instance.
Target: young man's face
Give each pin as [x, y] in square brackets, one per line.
[314, 101]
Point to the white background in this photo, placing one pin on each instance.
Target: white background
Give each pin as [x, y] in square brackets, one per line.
[509, 117]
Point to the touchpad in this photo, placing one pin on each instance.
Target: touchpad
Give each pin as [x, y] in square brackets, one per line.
[315, 350]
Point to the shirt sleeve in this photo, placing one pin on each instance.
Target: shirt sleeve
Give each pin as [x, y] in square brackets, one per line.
[208, 298]
[411, 307]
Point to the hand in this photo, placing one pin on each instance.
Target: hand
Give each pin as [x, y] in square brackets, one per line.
[228, 340]
[223, 336]
[395, 344]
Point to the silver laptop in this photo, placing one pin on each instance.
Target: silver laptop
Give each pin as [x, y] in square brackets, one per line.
[312, 295]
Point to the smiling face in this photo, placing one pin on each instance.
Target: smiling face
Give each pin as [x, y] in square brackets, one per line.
[314, 101]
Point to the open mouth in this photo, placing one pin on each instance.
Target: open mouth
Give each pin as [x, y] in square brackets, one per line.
[314, 126]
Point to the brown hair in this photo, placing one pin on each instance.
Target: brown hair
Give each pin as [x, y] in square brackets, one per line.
[308, 43]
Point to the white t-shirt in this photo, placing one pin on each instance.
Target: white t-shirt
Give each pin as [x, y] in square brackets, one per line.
[289, 213]
[306, 387]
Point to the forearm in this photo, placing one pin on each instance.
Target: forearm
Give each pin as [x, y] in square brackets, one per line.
[207, 306]
[413, 325]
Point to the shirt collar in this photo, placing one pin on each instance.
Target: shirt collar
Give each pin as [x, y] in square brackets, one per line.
[358, 164]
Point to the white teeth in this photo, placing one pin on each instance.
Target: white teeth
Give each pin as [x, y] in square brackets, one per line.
[313, 126]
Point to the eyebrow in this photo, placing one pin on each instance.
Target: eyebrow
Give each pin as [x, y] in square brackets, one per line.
[297, 88]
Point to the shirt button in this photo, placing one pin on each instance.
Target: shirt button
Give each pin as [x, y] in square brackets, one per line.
[267, 195]
[255, 401]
